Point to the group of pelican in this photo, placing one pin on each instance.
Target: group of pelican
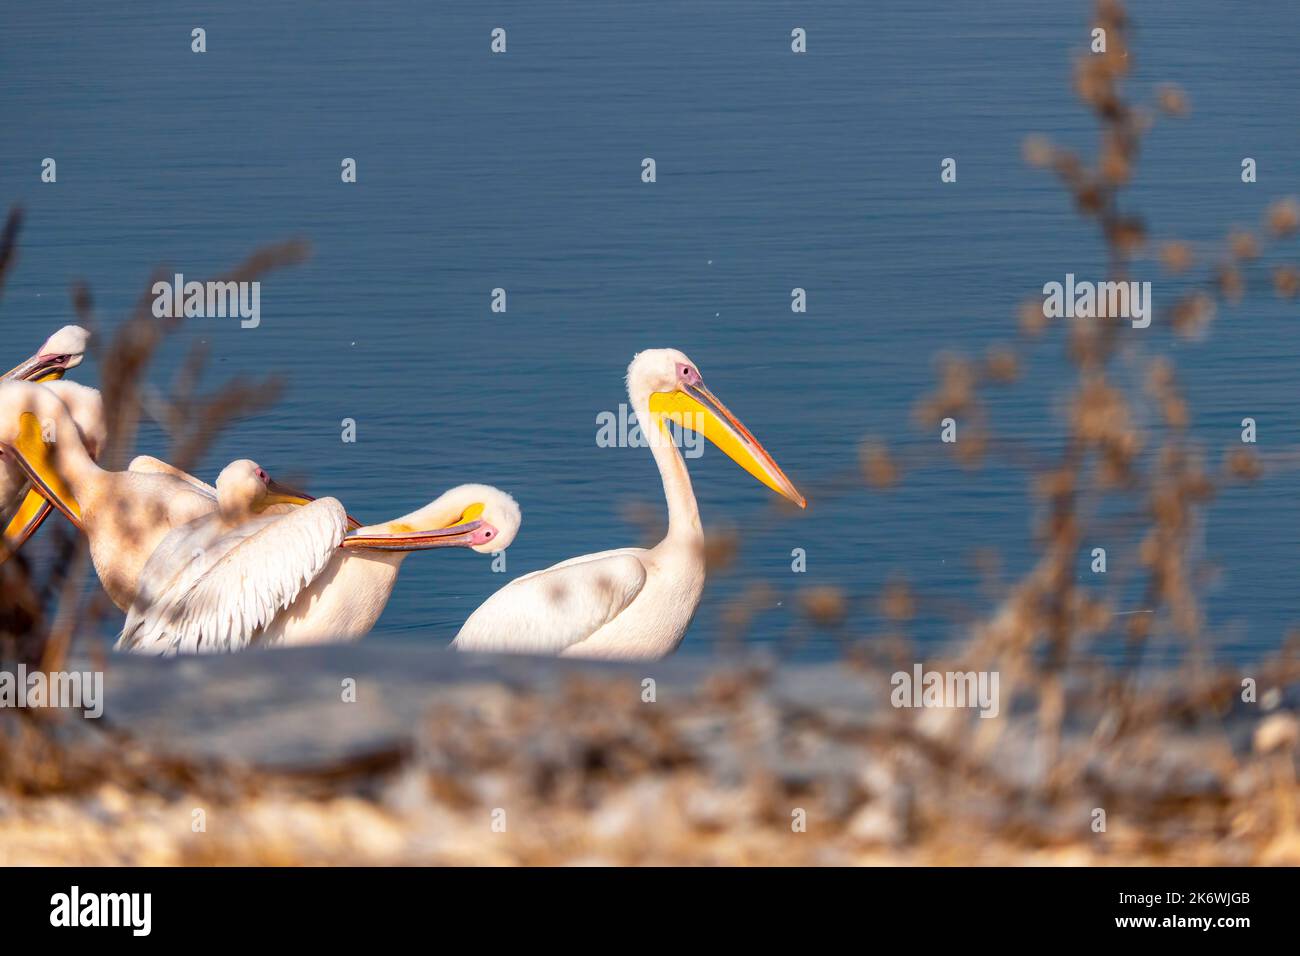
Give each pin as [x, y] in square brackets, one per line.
[201, 568]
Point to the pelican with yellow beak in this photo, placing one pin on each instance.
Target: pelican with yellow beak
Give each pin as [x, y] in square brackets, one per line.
[62, 351]
[633, 602]
[124, 514]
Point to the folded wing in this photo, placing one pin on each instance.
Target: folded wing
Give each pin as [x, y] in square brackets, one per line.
[148, 465]
[548, 611]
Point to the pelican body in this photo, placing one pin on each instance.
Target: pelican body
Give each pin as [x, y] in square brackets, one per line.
[241, 577]
[630, 603]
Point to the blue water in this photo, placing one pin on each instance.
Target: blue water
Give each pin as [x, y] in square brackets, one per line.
[522, 171]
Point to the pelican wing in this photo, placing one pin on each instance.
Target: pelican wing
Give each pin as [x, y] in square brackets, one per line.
[548, 611]
[148, 465]
[219, 590]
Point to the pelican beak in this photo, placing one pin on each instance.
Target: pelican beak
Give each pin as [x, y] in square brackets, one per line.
[30, 515]
[467, 531]
[696, 408]
[33, 455]
[278, 494]
[40, 368]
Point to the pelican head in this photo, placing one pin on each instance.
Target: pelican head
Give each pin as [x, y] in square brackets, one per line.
[669, 384]
[480, 517]
[245, 489]
[63, 350]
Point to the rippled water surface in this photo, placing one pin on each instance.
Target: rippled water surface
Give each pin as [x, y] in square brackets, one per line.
[774, 171]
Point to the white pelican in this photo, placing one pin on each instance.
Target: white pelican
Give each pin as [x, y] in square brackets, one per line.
[124, 514]
[62, 351]
[240, 577]
[632, 602]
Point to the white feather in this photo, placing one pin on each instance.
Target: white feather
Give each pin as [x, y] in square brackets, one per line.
[548, 611]
[148, 465]
[218, 589]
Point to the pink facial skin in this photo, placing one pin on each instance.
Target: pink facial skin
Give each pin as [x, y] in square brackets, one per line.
[482, 535]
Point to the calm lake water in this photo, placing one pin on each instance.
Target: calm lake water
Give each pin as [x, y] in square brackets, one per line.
[522, 171]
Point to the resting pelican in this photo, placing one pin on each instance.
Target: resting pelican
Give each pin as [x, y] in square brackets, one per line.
[124, 514]
[240, 577]
[630, 603]
[62, 351]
